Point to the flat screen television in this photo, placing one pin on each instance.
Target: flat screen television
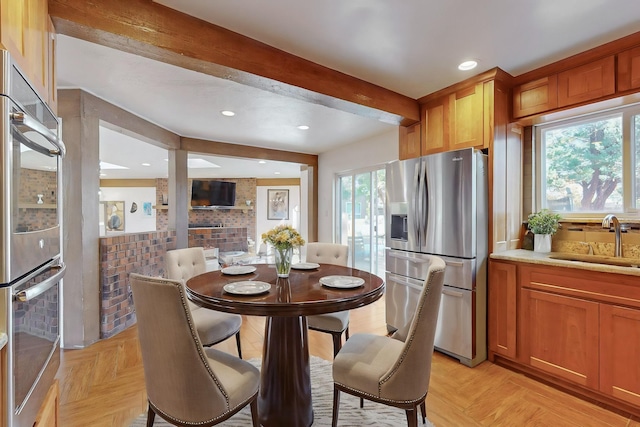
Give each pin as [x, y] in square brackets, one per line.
[212, 193]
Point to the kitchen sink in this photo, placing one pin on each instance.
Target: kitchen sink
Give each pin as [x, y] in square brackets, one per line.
[597, 259]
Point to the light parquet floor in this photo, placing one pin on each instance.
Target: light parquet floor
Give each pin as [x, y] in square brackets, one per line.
[103, 385]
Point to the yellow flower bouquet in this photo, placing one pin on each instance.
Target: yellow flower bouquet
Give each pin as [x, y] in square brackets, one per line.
[283, 238]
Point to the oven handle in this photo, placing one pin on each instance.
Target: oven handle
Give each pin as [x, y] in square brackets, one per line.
[26, 120]
[42, 287]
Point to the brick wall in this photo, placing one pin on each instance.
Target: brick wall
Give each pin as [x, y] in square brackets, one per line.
[225, 239]
[119, 256]
[144, 253]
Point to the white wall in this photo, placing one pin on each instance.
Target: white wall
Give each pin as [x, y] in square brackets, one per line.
[133, 222]
[362, 154]
[262, 223]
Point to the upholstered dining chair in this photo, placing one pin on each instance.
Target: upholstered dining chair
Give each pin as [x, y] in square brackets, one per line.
[187, 384]
[331, 323]
[391, 371]
[212, 326]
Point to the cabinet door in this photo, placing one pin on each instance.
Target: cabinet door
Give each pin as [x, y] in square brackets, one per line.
[467, 118]
[629, 69]
[502, 308]
[12, 22]
[409, 142]
[619, 352]
[587, 82]
[535, 97]
[435, 126]
[52, 87]
[562, 336]
[48, 414]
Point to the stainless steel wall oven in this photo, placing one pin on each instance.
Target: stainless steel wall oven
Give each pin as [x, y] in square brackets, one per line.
[31, 266]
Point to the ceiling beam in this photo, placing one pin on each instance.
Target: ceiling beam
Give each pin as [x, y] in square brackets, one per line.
[148, 29]
[194, 145]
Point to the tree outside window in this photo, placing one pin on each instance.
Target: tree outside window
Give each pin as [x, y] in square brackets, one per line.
[590, 164]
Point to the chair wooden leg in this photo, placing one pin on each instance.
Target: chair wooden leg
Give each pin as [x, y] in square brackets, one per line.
[238, 344]
[346, 333]
[254, 412]
[412, 417]
[423, 410]
[337, 342]
[151, 416]
[336, 406]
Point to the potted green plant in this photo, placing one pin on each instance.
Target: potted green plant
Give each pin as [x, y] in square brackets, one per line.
[543, 224]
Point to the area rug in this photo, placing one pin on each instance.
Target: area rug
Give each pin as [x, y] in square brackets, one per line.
[373, 414]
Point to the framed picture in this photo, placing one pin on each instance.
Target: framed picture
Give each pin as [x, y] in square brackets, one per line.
[114, 215]
[146, 208]
[278, 204]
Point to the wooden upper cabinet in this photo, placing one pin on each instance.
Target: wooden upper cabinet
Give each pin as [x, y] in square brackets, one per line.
[12, 22]
[52, 86]
[535, 97]
[467, 117]
[24, 32]
[435, 126]
[587, 82]
[409, 142]
[629, 69]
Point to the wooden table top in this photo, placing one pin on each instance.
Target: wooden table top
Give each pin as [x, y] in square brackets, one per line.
[300, 295]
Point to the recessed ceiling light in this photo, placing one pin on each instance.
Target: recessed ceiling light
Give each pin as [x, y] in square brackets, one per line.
[468, 65]
[262, 162]
[227, 113]
[276, 173]
[146, 164]
[103, 174]
[303, 127]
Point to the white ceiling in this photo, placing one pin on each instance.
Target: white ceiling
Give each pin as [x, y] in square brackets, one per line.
[411, 47]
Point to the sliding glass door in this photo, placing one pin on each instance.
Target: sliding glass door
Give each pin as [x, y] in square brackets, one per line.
[360, 218]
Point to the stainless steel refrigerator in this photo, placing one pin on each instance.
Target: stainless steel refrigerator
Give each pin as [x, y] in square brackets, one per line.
[437, 205]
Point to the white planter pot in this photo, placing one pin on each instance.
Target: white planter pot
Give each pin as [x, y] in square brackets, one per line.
[542, 243]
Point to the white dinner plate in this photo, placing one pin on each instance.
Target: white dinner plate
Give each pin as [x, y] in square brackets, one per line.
[248, 287]
[238, 269]
[305, 266]
[343, 282]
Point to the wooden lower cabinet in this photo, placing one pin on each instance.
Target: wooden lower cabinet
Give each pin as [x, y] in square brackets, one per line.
[502, 308]
[562, 336]
[576, 328]
[48, 414]
[620, 352]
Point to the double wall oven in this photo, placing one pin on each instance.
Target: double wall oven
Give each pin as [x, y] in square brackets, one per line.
[31, 266]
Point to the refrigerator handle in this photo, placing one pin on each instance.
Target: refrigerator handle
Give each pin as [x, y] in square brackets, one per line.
[417, 180]
[423, 212]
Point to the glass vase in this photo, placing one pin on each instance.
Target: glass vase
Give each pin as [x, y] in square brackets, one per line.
[283, 261]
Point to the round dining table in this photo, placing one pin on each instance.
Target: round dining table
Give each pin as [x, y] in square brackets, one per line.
[285, 386]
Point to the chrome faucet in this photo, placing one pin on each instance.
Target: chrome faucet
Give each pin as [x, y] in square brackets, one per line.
[607, 222]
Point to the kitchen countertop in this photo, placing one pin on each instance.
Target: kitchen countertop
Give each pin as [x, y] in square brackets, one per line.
[531, 257]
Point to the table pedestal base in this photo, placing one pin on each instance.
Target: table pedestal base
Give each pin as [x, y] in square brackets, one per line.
[285, 384]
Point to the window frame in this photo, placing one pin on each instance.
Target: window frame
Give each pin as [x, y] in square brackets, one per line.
[628, 158]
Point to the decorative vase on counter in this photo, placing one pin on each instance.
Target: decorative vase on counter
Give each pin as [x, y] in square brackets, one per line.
[283, 261]
[542, 243]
